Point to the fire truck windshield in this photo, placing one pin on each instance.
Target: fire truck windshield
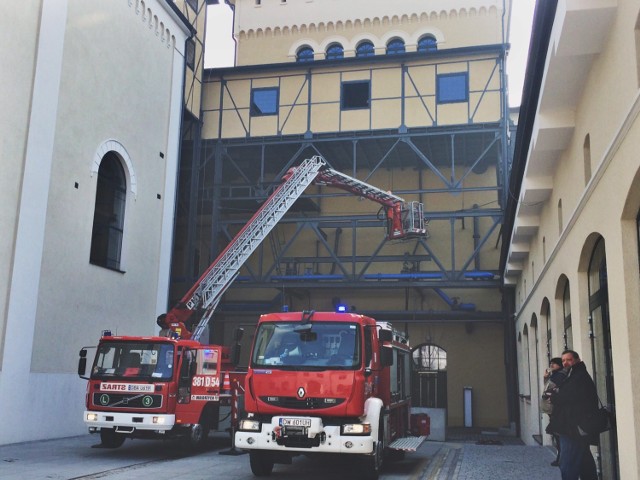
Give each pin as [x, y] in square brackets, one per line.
[325, 345]
[130, 360]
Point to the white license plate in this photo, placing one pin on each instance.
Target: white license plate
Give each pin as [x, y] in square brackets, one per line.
[295, 422]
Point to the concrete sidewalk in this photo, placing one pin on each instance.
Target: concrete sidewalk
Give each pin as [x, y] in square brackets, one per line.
[472, 461]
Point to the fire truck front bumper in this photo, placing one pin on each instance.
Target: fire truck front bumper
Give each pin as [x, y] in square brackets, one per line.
[304, 434]
[128, 422]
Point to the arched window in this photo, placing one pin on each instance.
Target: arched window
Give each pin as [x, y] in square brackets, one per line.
[334, 51]
[526, 357]
[429, 388]
[365, 49]
[545, 313]
[108, 216]
[430, 357]
[566, 314]
[602, 354]
[305, 54]
[395, 46]
[427, 43]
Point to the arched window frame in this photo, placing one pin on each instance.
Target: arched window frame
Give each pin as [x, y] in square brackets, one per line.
[395, 46]
[436, 357]
[365, 49]
[335, 51]
[109, 213]
[305, 54]
[526, 357]
[429, 386]
[427, 43]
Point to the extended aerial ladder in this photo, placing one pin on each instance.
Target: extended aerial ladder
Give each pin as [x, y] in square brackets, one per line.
[404, 220]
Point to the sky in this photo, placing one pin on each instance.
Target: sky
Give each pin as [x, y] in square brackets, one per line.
[219, 47]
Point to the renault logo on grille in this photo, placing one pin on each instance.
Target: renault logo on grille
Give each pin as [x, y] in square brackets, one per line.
[301, 392]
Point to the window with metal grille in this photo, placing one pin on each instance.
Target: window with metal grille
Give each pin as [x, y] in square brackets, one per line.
[427, 44]
[305, 54]
[365, 49]
[395, 46]
[334, 51]
[429, 386]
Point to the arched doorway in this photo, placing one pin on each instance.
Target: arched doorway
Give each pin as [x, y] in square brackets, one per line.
[600, 336]
[535, 372]
[430, 384]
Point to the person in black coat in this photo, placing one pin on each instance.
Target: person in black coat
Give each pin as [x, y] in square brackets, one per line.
[572, 402]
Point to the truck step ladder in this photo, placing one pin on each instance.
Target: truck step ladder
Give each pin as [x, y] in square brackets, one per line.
[407, 444]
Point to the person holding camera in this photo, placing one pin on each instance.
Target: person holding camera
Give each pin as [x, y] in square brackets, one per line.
[554, 376]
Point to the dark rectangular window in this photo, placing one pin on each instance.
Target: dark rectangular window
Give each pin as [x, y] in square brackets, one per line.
[264, 101]
[453, 87]
[190, 54]
[355, 95]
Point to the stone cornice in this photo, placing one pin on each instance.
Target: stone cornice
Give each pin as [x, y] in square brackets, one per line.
[367, 22]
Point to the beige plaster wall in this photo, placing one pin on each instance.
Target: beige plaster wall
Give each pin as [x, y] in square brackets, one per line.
[17, 27]
[604, 204]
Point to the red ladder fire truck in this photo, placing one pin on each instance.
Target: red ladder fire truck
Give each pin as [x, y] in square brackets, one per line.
[161, 386]
[326, 382]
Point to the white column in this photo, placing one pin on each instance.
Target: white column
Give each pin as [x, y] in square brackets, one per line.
[25, 275]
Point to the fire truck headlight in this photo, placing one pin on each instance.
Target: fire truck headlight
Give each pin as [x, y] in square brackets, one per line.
[92, 417]
[356, 429]
[158, 420]
[249, 425]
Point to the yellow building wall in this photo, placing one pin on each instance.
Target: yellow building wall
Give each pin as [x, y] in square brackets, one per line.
[386, 100]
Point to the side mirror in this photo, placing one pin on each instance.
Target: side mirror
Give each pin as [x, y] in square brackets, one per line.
[238, 333]
[386, 356]
[82, 364]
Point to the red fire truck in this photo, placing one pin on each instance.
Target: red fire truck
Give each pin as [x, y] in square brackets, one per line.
[158, 387]
[325, 382]
[173, 385]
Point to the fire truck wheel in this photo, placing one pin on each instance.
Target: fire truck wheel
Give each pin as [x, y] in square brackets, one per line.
[261, 463]
[197, 436]
[111, 439]
[373, 463]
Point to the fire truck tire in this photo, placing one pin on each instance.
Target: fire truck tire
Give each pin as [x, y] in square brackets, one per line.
[197, 437]
[373, 463]
[111, 439]
[261, 463]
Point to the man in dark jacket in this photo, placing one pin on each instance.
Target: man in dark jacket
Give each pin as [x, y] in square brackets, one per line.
[572, 402]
